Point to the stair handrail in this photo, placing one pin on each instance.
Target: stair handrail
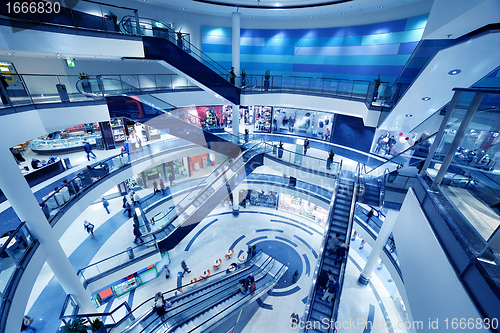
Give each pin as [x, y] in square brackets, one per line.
[348, 243]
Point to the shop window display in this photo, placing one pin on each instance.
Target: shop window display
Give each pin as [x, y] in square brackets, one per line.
[67, 140]
[262, 118]
[263, 198]
[302, 207]
[391, 143]
[312, 124]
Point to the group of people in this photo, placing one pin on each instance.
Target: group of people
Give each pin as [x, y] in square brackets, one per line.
[328, 284]
[336, 247]
[248, 284]
[162, 186]
[385, 142]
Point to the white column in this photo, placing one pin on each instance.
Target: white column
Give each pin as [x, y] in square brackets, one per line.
[382, 237]
[24, 203]
[236, 46]
[236, 202]
[236, 122]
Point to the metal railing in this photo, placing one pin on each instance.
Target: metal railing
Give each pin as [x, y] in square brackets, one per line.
[16, 250]
[120, 260]
[120, 314]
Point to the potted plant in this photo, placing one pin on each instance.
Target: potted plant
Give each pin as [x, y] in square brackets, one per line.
[280, 149]
[267, 76]
[243, 78]
[295, 276]
[329, 161]
[97, 326]
[85, 79]
[246, 135]
[77, 325]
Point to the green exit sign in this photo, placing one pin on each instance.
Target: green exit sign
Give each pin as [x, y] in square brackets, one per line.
[70, 62]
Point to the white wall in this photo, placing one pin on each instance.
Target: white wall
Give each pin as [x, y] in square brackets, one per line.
[433, 289]
[50, 43]
[24, 126]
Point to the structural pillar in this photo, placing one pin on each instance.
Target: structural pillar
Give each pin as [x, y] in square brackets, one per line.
[236, 46]
[236, 123]
[440, 132]
[24, 203]
[471, 110]
[382, 238]
[236, 202]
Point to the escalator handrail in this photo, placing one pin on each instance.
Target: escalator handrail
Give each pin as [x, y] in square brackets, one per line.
[348, 243]
[246, 266]
[263, 288]
[219, 176]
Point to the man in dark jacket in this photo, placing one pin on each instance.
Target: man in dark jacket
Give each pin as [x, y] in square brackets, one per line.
[137, 234]
[3, 89]
[88, 150]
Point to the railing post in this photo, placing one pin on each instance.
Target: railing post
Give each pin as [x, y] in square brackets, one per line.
[137, 24]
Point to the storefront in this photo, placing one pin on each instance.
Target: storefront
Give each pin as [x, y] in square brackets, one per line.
[289, 203]
[262, 118]
[391, 142]
[311, 124]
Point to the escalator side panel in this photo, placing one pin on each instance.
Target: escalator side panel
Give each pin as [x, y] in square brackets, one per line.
[163, 49]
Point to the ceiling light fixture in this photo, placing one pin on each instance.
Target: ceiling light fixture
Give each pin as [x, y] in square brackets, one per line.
[409, 115]
[381, 7]
[455, 72]
[426, 98]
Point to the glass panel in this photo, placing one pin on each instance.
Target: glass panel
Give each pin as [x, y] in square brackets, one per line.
[164, 81]
[62, 18]
[147, 82]
[331, 86]
[316, 85]
[43, 89]
[345, 88]
[302, 84]
[89, 15]
[288, 83]
[360, 89]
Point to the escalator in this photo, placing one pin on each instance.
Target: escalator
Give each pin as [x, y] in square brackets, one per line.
[205, 303]
[318, 309]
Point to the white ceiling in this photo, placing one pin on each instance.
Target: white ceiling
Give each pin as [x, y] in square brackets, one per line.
[289, 8]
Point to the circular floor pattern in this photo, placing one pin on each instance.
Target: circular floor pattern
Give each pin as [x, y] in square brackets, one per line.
[285, 254]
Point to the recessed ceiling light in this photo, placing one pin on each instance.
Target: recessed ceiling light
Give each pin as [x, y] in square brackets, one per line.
[426, 98]
[409, 115]
[310, 16]
[455, 72]
[343, 13]
[381, 7]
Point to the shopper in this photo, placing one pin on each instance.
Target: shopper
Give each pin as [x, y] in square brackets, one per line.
[139, 143]
[89, 227]
[135, 199]
[3, 90]
[252, 288]
[128, 209]
[251, 279]
[137, 234]
[124, 200]
[171, 179]
[333, 243]
[162, 186]
[232, 76]
[306, 146]
[105, 203]
[167, 271]
[88, 150]
[17, 155]
[185, 268]
[159, 304]
[331, 290]
[35, 163]
[155, 187]
[323, 280]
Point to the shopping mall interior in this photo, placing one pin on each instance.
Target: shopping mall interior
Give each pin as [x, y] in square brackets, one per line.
[242, 166]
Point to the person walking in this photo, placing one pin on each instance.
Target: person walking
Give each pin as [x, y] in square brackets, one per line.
[306, 146]
[331, 290]
[139, 143]
[128, 209]
[252, 288]
[124, 200]
[137, 234]
[105, 203]
[88, 150]
[89, 227]
[162, 186]
[185, 268]
[171, 179]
